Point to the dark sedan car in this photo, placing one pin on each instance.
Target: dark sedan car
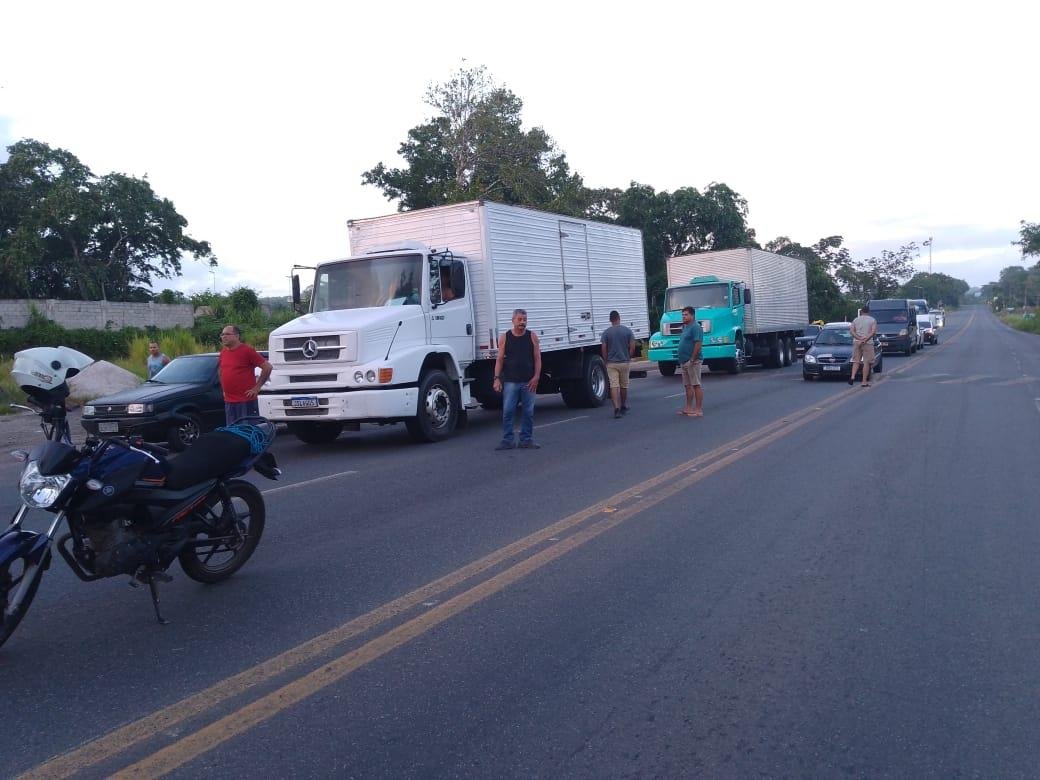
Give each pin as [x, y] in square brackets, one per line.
[831, 355]
[805, 341]
[188, 387]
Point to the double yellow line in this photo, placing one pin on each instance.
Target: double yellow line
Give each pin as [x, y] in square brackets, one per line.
[534, 552]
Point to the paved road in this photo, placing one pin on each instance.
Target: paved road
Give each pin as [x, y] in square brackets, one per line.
[811, 580]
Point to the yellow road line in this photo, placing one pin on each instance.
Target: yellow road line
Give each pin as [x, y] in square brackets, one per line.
[125, 737]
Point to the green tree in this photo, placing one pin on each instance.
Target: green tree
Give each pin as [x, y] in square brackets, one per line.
[475, 147]
[826, 300]
[879, 276]
[171, 296]
[1029, 238]
[935, 288]
[65, 233]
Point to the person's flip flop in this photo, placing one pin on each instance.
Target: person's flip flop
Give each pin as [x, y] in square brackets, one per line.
[684, 414]
[696, 414]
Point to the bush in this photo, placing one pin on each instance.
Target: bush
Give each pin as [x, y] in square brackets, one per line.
[42, 332]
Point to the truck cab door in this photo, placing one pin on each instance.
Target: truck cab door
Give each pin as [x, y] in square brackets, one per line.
[451, 309]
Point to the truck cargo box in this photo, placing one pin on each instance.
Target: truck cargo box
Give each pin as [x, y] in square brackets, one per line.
[567, 273]
[779, 295]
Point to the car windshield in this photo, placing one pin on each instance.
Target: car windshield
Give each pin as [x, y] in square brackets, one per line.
[703, 296]
[835, 337]
[360, 284]
[187, 369]
[889, 315]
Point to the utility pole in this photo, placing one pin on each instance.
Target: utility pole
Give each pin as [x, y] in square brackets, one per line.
[928, 244]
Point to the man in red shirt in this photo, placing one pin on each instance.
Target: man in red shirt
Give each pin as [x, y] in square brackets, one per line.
[238, 377]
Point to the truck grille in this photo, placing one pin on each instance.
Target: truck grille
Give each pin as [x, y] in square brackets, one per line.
[300, 349]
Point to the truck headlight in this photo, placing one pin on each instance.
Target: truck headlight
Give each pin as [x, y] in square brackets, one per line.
[656, 343]
[370, 375]
[138, 408]
[359, 377]
[88, 411]
[810, 358]
[38, 491]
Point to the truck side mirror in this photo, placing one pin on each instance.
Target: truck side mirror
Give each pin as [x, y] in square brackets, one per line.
[296, 292]
[747, 295]
[458, 278]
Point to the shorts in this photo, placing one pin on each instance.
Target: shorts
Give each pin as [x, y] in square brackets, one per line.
[617, 374]
[863, 351]
[691, 373]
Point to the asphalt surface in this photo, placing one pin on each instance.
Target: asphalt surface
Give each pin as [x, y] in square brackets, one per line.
[811, 580]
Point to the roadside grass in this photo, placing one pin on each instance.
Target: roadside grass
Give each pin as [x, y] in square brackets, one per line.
[1029, 324]
[10, 393]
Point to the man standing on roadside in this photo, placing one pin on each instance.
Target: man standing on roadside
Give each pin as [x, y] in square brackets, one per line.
[618, 344]
[156, 359]
[688, 356]
[238, 377]
[863, 329]
[517, 369]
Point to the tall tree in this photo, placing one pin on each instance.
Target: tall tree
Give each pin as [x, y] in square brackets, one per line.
[1029, 238]
[879, 276]
[936, 288]
[474, 147]
[65, 233]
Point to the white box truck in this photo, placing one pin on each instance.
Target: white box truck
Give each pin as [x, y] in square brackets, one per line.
[751, 304]
[406, 329]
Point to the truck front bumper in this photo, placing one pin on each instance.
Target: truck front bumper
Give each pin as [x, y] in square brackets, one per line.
[391, 403]
[708, 352]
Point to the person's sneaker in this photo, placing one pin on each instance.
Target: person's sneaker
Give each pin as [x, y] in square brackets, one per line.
[617, 414]
[624, 410]
[505, 445]
[529, 445]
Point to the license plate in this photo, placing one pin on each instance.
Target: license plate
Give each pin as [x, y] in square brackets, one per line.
[108, 427]
[304, 402]
[832, 368]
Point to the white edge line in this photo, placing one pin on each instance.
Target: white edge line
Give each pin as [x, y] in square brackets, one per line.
[307, 482]
[561, 422]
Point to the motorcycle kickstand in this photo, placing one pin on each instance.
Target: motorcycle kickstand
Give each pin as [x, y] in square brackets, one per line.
[151, 577]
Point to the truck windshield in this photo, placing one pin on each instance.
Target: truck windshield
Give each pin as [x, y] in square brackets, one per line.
[360, 284]
[889, 315]
[703, 296]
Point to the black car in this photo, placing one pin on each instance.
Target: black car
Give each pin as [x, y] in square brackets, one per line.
[805, 341]
[187, 386]
[831, 355]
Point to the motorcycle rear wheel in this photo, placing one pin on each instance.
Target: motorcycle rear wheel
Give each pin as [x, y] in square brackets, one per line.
[235, 537]
[10, 579]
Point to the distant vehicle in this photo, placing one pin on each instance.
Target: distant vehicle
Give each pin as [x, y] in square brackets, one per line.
[897, 324]
[921, 305]
[803, 342]
[926, 328]
[938, 318]
[831, 355]
[188, 386]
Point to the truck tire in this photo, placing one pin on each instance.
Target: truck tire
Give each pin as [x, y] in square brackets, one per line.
[316, 432]
[776, 353]
[591, 390]
[667, 367]
[438, 410]
[788, 351]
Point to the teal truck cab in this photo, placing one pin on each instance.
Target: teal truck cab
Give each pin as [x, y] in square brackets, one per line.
[719, 306]
[750, 303]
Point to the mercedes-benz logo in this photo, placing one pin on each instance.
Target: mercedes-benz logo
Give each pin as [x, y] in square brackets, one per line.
[310, 349]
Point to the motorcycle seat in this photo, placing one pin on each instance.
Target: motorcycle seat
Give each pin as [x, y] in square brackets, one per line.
[214, 454]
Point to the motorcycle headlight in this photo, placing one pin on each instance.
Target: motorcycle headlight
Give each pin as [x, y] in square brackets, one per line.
[38, 491]
[88, 411]
[810, 358]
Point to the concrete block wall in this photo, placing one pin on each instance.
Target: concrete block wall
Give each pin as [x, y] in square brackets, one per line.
[98, 315]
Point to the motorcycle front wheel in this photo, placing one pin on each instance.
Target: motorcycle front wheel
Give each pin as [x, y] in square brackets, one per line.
[232, 533]
[12, 579]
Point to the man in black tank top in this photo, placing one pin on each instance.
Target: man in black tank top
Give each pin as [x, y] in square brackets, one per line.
[517, 368]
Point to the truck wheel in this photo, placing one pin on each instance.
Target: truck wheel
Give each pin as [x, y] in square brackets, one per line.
[776, 354]
[788, 351]
[735, 365]
[666, 367]
[591, 390]
[438, 409]
[315, 432]
[184, 433]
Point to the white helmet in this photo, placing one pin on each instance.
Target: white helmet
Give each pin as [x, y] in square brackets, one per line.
[46, 369]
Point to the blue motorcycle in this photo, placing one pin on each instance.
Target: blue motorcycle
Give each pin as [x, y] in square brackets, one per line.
[131, 509]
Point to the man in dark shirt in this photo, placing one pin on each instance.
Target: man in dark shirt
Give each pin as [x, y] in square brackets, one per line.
[688, 355]
[617, 345]
[517, 369]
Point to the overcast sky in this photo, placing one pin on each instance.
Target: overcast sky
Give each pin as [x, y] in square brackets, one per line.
[886, 124]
